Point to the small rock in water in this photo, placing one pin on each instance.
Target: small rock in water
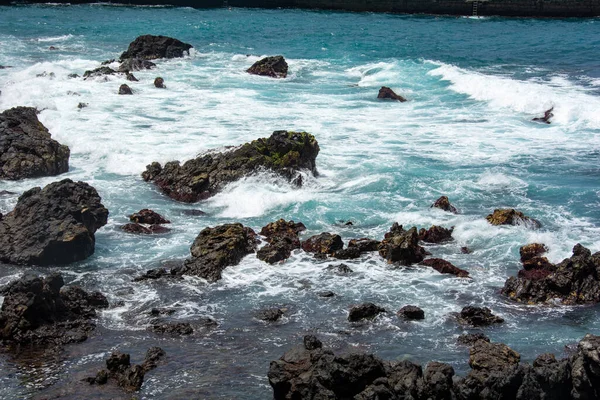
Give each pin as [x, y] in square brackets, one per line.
[146, 216]
[107, 62]
[72, 76]
[325, 243]
[275, 67]
[465, 250]
[150, 47]
[402, 246]
[435, 234]
[82, 105]
[444, 204]
[445, 267]
[364, 311]
[326, 293]
[159, 83]
[270, 315]
[312, 343]
[52, 48]
[411, 313]
[340, 269]
[510, 216]
[387, 93]
[124, 89]
[131, 78]
[478, 316]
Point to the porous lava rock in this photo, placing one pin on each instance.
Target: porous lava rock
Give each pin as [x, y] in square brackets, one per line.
[284, 153]
[364, 311]
[53, 225]
[151, 47]
[575, 280]
[510, 216]
[436, 234]
[445, 267]
[444, 204]
[324, 243]
[274, 67]
[124, 89]
[411, 313]
[43, 312]
[282, 239]
[401, 246]
[215, 249]
[478, 316]
[147, 216]
[387, 93]
[26, 147]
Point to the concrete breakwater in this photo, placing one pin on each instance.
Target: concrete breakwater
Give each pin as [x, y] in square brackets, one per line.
[523, 8]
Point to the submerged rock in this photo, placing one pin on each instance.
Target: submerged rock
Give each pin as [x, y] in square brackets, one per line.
[124, 89]
[575, 280]
[510, 216]
[282, 239]
[387, 93]
[26, 147]
[445, 267]
[340, 269]
[478, 316]
[135, 64]
[43, 312]
[270, 315]
[411, 313]
[145, 230]
[364, 244]
[402, 246]
[100, 71]
[364, 311]
[436, 234]
[285, 153]
[471, 338]
[216, 249]
[444, 204]
[311, 372]
[150, 47]
[275, 67]
[159, 83]
[131, 78]
[54, 225]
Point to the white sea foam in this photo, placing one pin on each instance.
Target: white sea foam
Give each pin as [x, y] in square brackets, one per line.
[61, 38]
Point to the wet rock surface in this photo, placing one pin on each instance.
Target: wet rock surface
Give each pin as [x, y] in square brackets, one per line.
[146, 216]
[364, 244]
[411, 313]
[313, 372]
[135, 64]
[172, 328]
[100, 71]
[159, 83]
[364, 311]
[510, 216]
[282, 239]
[53, 225]
[340, 269]
[274, 67]
[436, 234]
[145, 230]
[325, 243]
[151, 47]
[444, 204]
[26, 147]
[471, 338]
[478, 316]
[402, 246]
[124, 89]
[270, 314]
[387, 93]
[445, 267]
[43, 312]
[284, 153]
[214, 249]
[575, 280]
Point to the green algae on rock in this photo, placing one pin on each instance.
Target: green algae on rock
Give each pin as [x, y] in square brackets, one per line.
[285, 153]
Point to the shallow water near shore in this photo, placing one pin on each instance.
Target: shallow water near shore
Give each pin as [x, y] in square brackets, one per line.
[466, 132]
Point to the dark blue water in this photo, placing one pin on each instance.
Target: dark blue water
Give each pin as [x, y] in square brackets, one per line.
[473, 86]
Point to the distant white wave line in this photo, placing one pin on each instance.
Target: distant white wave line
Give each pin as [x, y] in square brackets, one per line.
[572, 103]
[61, 38]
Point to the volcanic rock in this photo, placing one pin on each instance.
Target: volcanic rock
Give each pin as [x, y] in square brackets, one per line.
[364, 311]
[435, 234]
[217, 248]
[43, 312]
[135, 64]
[411, 312]
[282, 239]
[349, 253]
[575, 280]
[275, 67]
[510, 216]
[124, 89]
[402, 246]
[445, 267]
[478, 316]
[471, 338]
[172, 328]
[325, 243]
[54, 225]
[387, 93]
[146, 216]
[150, 47]
[444, 204]
[284, 153]
[100, 71]
[160, 83]
[364, 244]
[270, 314]
[26, 147]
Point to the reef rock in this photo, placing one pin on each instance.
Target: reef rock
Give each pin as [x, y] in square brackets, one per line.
[575, 280]
[402, 246]
[435, 234]
[444, 204]
[275, 67]
[26, 147]
[217, 248]
[285, 153]
[54, 225]
[445, 267]
[146, 216]
[325, 243]
[43, 312]
[150, 47]
[282, 239]
[478, 316]
[364, 311]
[387, 93]
[510, 216]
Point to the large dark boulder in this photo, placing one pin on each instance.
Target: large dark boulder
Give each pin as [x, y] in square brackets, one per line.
[387, 93]
[43, 312]
[445, 267]
[54, 225]
[324, 243]
[275, 67]
[575, 280]
[402, 246]
[26, 147]
[436, 234]
[478, 316]
[364, 311]
[510, 216]
[411, 313]
[150, 47]
[216, 249]
[285, 153]
[282, 239]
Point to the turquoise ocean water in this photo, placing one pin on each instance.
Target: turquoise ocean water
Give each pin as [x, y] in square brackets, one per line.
[473, 87]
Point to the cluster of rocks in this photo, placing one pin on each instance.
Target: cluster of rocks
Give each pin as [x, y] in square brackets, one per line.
[146, 222]
[310, 372]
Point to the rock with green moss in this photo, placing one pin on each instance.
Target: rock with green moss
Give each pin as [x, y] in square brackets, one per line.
[285, 153]
[216, 249]
[510, 216]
